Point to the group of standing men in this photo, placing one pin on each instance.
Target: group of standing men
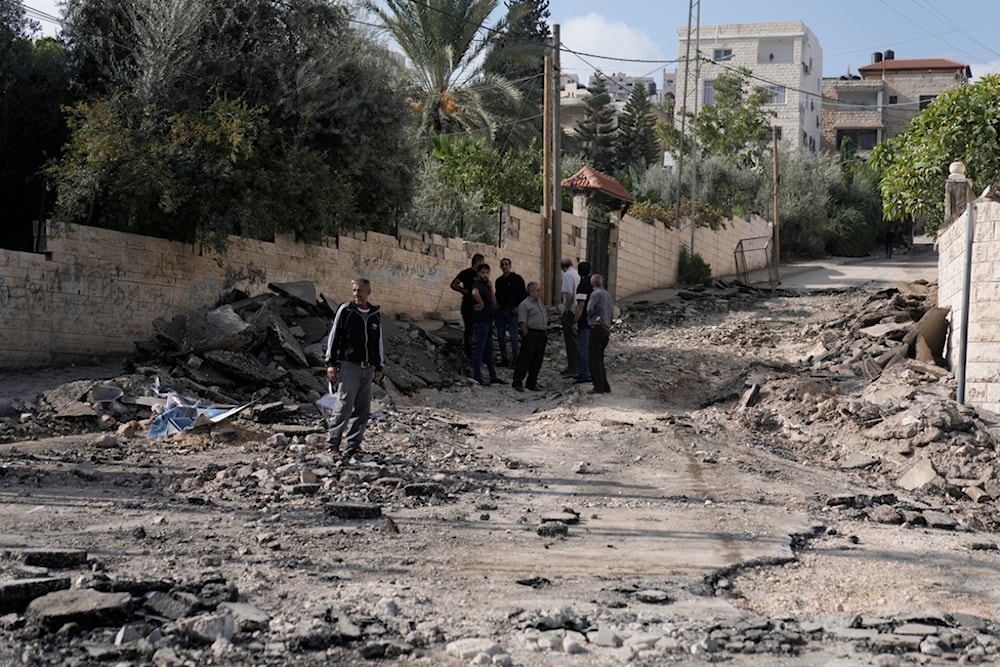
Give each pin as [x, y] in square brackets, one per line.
[586, 312]
[355, 354]
[517, 312]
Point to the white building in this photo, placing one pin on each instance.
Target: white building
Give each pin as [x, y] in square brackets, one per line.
[784, 58]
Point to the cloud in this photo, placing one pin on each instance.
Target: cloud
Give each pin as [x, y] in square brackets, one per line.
[595, 34]
[983, 69]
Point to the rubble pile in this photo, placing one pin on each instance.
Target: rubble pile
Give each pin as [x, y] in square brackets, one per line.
[864, 392]
[110, 618]
[272, 346]
[267, 350]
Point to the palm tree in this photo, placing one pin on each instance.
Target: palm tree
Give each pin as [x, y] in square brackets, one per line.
[450, 89]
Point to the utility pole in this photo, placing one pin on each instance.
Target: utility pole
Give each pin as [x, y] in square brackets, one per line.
[556, 165]
[776, 226]
[684, 97]
[694, 119]
[548, 263]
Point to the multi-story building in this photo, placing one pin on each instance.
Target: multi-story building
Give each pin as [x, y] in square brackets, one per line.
[883, 98]
[620, 86]
[784, 58]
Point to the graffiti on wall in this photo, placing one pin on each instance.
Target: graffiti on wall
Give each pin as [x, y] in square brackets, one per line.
[19, 295]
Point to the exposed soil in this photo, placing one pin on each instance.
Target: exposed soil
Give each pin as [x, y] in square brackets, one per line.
[741, 479]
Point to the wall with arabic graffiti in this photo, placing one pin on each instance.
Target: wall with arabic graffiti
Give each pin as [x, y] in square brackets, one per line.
[97, 291]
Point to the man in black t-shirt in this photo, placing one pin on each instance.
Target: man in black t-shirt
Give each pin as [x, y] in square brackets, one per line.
[510, 292]
[463, 285]
[581, 327]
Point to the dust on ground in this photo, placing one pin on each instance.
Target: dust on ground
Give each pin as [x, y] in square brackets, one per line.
[736, 497]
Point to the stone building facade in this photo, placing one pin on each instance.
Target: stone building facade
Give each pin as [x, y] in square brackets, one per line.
[880, 101]
[785, 58]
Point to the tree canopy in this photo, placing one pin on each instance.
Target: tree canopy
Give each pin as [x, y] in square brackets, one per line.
[636, 144]
[596, 131]
[962, 124]
[736, 125]
[518, 55]
[449, 87]
[281, 117]
[34, 84]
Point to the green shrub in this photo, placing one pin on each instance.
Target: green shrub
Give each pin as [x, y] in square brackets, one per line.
[692, 269]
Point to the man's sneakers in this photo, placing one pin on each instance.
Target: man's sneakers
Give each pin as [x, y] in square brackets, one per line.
[518, 387]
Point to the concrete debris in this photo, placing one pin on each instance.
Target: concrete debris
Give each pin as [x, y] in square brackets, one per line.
[870, 399]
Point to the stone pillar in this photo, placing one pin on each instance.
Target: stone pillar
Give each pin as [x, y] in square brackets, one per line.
[581, 204]
[957, 192]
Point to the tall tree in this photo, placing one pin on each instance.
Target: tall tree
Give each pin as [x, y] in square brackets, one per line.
[34, 84]
[250, 118]
[962, 124]
[636, 144]
[518, 55]
[450, 89]
[737, 124]
[596, 131]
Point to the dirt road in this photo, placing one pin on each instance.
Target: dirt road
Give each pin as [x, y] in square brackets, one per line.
[675, 520]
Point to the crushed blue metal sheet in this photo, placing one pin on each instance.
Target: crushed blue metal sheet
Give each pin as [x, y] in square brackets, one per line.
[181, 414]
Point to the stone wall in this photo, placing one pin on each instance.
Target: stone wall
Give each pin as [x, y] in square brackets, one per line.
[982, 379]
[97, 291]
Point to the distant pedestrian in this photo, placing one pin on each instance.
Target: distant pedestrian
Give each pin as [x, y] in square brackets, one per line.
[532, 320]
[889, 241]
[463, 285]
[510, 293]
[567, 316]
[354, 360]
[483, 316]
[600, 312]
[581, 326]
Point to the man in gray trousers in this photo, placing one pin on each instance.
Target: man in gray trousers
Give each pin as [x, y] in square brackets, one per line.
[354, 358]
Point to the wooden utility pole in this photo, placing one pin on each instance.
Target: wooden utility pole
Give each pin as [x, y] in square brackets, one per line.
[556, 141]
[547, 261]
[777, 227]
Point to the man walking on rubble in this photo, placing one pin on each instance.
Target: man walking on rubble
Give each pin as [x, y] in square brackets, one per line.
[354, 357]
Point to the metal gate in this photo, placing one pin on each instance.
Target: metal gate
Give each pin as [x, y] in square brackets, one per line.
[599, 247]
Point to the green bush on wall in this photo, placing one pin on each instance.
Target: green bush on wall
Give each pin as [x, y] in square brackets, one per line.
[692, 269]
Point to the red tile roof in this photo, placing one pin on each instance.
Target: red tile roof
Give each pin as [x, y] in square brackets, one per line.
[915, 64]
[591, 179]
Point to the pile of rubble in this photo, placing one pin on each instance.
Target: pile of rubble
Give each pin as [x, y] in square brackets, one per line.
[267, 351]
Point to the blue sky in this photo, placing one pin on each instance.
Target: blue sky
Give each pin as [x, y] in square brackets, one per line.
[848, 30]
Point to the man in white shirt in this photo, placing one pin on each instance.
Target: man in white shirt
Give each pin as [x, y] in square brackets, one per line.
[567, 317]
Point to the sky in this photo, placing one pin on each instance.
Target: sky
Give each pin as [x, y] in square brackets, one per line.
[849, 31]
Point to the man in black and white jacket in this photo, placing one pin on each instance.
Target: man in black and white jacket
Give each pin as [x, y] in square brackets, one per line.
[354, 359]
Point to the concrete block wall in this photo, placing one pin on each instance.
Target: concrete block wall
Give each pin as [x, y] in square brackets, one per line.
[982, 379]
[647, 254]
[98, 291]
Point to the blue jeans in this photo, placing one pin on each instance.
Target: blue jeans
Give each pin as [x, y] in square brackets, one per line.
[507, 324]
[583, 352]
[482, 333]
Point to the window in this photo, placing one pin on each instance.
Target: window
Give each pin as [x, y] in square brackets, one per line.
[708, 93]
[775, 94]
[722, 54]
[926, 100]
[864, 140]
[893, 99]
